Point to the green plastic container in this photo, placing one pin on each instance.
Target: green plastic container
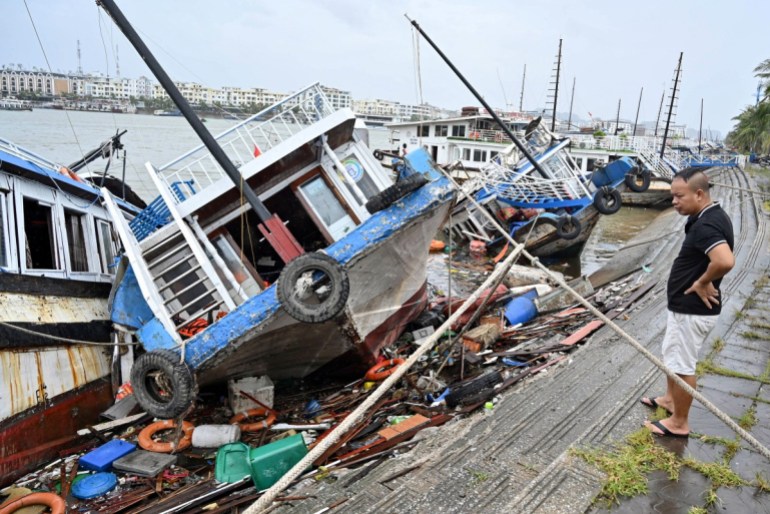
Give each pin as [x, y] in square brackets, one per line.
[232, 463]
[271, 461]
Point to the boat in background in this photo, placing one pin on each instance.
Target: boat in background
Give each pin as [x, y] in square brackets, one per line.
[552, 212]
[57, 254]
[13, 104]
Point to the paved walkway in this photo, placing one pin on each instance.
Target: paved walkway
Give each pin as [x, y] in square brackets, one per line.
[517, 459]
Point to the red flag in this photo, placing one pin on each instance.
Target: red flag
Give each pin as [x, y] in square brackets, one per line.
[257, 153]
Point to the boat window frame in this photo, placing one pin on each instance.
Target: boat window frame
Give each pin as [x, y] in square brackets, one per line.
[311, 210]
[104, 267]
[8, 248]
[25, 192]
[85, 224]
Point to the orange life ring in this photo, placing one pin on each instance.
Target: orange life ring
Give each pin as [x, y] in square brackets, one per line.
[71, 174]
[383, 370]
[437, 246]
[50, 500]
[252, 413]
[146, 442]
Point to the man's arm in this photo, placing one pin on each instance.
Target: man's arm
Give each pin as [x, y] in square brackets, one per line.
[721, 260]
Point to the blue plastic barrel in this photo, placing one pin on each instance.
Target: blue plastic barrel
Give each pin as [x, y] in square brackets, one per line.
[522, 308]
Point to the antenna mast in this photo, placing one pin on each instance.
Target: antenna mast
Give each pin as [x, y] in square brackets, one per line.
[571, 101]
[521, 97]
[80, 67]
[117, 62]
[636, 120]
[617, 118]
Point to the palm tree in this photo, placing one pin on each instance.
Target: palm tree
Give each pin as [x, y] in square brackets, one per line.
[762, 71]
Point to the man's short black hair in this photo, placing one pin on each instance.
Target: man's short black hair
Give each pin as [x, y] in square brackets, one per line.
[696, 175]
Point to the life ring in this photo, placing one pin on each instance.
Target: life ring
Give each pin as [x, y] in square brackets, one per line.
[146, 442]
[50, 500]
[474, 135]
[253, 413]
[383, 370]
[69, 173]
[437, 246]
[632, 180]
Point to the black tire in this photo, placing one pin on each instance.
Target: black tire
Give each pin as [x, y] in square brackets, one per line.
[398, 190]
[378, 155]
[607, 200]
[568, 227]
[632, 181]
[164, 387]
[472, 388]
[324, 299]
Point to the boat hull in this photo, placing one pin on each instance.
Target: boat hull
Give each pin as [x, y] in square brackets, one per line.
[49, 390]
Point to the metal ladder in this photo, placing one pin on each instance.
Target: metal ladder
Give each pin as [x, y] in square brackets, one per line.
[177, 268]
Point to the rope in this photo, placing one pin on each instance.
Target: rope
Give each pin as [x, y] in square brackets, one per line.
[743, 189]
[62, 339]
[354, 417]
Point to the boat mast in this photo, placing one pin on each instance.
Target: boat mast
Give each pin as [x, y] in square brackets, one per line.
[521, 97]
[617, 118]
[556, 88]
[571, 101]
[522, 148]
[672, 105]
[700, 128]
[638, 106]
[184, 107]
[660, 110]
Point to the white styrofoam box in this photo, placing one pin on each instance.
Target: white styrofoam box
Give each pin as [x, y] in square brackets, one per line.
[260, 388]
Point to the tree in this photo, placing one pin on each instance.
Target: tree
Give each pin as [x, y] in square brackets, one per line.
[752, 131]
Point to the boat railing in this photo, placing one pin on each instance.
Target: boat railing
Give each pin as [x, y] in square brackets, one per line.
[486, 136]
[22, 153]
[527, 188]
[250, 139]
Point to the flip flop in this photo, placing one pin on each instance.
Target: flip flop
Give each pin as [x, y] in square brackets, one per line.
[665, 432]
[652, 403]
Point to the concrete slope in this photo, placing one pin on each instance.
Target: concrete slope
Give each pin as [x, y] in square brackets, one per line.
[516, 459]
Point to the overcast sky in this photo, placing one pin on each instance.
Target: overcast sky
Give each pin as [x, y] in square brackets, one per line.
[612, 48]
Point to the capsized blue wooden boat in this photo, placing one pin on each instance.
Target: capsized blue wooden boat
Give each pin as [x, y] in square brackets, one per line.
[213, 294]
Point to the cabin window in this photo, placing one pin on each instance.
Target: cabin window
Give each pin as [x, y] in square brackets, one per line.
[423, 131]
[75, 224]
[441, 130]
[466, 154]
[492, 155]
[356, 172]
[105, 245]
[458, 130]
[327, 207]
[39, 236]
[479, 156]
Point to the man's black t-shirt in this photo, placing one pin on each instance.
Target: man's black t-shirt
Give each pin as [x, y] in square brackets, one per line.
[707, 229]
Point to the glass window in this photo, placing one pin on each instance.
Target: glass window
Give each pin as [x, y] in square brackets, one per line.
[466, 154]
[423, 131]
[39, 236]
[76, 242]
[323, 200]
[106, 246]
[479, 155]
[458, 130]
[441, 130]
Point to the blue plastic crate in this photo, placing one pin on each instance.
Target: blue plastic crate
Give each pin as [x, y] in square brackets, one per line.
[101, 458]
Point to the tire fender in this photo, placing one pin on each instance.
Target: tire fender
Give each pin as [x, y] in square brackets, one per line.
[388, 196]
[53, 501]
[164, 387]
[632, 180]
[607, 200]
[377, 155]
[568, 227]
[301, 271]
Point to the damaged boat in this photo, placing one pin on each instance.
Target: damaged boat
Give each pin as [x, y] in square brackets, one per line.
[551, 207]
[275, 248]
[57, 251]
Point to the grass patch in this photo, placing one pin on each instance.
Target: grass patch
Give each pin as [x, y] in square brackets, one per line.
[708, 366]
[731, 445]
[628, 464]
[478, 476]
[760, 324]
[697, 510]
[763, 281]
[762, 483]
[717, 346]
[739, 315]
[748, 420]
[749, 334]
[749, 303]
[719, 473]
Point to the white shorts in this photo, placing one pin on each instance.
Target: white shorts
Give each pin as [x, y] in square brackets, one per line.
[684, 337]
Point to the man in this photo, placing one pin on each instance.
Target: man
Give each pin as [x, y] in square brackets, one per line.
[694, 300]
